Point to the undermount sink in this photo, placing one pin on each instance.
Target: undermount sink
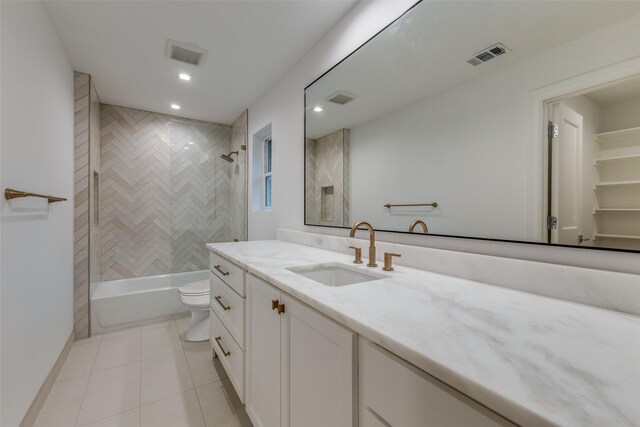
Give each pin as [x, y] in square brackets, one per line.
[336, 274]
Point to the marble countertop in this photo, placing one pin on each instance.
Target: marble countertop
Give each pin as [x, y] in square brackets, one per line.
[537, 361]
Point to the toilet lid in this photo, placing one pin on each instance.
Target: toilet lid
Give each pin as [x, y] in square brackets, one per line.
[200, 287]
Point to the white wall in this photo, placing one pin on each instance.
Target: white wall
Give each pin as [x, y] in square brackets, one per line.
[457, 148]
[37, 240]
[621, 116]
[282, 106]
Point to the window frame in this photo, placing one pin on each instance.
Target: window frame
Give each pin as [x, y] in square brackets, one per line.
[267, 171]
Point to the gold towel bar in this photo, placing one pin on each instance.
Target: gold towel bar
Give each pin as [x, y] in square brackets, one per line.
[434, 205]
[15, 194]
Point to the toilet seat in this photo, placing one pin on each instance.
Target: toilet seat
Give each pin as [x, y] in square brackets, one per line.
[195, 301]
[201, 287]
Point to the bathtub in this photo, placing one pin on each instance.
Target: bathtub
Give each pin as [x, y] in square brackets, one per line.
[121, 304]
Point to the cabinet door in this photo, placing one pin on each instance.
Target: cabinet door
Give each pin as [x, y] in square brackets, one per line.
[263, 355]
[319, 382]
[395, 393]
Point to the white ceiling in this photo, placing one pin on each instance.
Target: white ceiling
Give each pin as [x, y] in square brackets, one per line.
[424, 52]
[250, 45]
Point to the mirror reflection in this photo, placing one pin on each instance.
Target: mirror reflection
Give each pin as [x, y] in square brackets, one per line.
[527, 131]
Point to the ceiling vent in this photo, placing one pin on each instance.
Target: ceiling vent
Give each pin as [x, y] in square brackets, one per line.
[185, 53]
[341, 98]
[488, 54]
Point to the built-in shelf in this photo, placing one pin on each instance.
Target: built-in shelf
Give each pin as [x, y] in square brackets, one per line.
[597, 210]
[617, 236]
[617, 165]
[617, 183]
[616, 134]
[613, 159]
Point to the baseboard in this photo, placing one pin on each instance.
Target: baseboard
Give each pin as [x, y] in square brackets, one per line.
[37, 404]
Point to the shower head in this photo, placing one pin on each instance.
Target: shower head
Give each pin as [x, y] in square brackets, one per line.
[228, 157]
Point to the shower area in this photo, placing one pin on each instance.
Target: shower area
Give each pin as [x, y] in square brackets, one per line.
[158, 189]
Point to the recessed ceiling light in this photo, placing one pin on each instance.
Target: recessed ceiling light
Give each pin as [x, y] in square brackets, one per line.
[186, 148]
[175, 106]
[190, 142]
[318, 109]
[184, 76]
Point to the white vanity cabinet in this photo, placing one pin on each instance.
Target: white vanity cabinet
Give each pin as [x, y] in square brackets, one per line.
[227, 318]
[295, 367]
[300, 364]
[395, 393]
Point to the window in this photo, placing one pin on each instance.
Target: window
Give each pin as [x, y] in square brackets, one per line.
[266, 179]
[261, 166]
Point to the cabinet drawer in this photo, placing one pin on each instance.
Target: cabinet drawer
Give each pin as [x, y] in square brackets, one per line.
[230, 354]
[229, 306]
[230, 273]
[393, 392]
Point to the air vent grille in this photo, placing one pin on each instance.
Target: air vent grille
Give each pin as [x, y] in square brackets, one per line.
[488, 54]
[185, 53]
[341, 98]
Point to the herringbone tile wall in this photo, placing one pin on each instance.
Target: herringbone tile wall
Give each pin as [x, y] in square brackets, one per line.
[165, 192]
[327, 165]
[200, 192]
[81, 208]
[312, 215]
[239, 201]
[94, 186]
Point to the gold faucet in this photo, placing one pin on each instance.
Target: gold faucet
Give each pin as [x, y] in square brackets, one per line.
[425, 230]
[372, 241]
[388, 261]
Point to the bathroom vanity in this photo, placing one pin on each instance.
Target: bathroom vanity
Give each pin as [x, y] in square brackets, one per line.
[410, 347]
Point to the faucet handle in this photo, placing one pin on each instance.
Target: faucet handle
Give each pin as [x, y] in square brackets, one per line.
[358, 258]
[388, 261]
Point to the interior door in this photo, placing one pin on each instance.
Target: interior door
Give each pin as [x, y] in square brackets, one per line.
[566, 176]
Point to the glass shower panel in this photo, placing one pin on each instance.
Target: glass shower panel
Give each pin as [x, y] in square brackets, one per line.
[200, 195]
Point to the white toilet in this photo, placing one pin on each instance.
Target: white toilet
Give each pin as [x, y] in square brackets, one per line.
[195, 296]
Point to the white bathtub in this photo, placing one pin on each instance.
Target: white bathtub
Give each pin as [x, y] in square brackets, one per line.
[121, 304]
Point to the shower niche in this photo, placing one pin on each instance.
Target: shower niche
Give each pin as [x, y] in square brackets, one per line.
[327, 178]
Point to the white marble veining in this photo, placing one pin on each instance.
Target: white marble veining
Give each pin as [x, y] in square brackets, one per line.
[606, 289]
[533, 359]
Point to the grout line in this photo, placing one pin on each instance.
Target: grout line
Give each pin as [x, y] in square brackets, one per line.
[195, 389]
[112, 415]
[140, 385]
[200, 405]
[84, 394]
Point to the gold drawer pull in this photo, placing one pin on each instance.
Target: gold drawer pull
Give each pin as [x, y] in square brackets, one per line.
[225, 307]
[224, 273]
[280, 308]
[274, 304]
[226, 353]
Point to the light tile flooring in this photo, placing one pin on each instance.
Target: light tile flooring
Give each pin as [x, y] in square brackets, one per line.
[142, 377]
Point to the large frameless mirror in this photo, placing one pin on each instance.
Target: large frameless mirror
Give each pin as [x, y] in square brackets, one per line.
[515, 121]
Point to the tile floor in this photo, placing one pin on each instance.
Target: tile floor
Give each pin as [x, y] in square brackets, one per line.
[142, 377]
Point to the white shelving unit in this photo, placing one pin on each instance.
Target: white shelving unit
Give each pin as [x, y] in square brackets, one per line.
[617, 159]
[618, 183]
[617, 236]
[617, 189]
